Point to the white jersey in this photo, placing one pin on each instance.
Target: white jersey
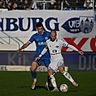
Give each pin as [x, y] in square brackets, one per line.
[55, 46]
[55, 52]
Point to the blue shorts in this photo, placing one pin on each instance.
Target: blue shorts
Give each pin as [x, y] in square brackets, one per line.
[44, 62]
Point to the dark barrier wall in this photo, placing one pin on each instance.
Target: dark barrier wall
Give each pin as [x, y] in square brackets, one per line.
[72, 59]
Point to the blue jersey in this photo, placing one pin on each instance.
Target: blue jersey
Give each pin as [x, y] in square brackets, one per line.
[40, 40]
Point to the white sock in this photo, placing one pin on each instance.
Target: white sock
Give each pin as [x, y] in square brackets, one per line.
[53, 81]
[68, 76]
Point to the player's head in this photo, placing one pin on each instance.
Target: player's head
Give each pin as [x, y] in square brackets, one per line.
[39, 27]
[53, 35]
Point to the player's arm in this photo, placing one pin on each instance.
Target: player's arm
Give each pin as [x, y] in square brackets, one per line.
[75, 49]
[42, 53]
[24, 46]
[27, 43]
[65, 44]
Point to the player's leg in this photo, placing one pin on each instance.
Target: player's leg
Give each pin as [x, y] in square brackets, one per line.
[47, 84]
[51, 69]
[67, 75]
[47, 62]
[52, 79]
[33, 73]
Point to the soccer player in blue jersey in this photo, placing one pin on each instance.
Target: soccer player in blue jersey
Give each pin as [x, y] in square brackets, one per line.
[40, 39]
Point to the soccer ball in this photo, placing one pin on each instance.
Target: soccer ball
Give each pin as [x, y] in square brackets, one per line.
[63, 87]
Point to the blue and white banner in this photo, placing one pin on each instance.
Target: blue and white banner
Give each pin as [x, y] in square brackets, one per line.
[67, 23]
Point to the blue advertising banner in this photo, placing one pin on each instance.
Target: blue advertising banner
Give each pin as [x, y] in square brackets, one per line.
[71, 59]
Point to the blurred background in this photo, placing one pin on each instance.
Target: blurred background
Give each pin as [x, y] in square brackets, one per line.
[74, 20]
[47, 4]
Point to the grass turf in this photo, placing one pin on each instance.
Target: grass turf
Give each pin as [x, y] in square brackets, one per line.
[19, 84]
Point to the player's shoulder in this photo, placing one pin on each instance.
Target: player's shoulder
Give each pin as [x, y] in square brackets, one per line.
[59, 40]
[62, 41]
[35, 35]
[46, 32]
[65, 44]
[48, 40]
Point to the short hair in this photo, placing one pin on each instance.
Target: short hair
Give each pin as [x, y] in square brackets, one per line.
[39, 24]
[54, 31]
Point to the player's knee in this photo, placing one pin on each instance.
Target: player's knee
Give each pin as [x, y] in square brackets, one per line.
[34, 66]
[61, 70]
[50, 72]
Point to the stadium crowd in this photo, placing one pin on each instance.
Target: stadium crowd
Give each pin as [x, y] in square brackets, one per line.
[47, 4]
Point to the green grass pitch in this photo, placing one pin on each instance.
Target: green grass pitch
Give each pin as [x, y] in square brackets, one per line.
[19, 84]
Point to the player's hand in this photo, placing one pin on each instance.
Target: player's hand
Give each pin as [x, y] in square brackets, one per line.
[38, 58]
[81, 52]
[19, 50]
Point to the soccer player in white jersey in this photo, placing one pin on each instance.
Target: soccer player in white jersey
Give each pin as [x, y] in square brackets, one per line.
[54, 46]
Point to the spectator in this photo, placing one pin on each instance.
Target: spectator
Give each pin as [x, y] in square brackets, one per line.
[2, 4]
[47, 4]
[88, 4]
[13, 6]
[79, 4]
[20, 4]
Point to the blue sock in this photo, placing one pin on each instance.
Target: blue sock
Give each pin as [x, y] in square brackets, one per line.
[34, 75]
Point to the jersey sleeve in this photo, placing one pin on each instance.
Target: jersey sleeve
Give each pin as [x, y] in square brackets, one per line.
[49, 35]
[31, 39]
[64, 44]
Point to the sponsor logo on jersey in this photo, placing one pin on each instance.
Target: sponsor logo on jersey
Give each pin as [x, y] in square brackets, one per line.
[46, 38]
[41, 43]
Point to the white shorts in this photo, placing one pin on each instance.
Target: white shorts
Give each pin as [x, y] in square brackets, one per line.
[56, 63]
